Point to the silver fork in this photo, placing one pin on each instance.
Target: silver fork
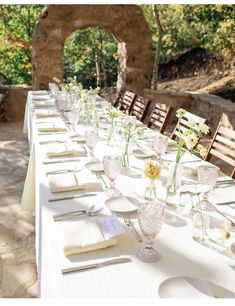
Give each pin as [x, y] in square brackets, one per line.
[81, 211]
[129, 223]
[88, 213]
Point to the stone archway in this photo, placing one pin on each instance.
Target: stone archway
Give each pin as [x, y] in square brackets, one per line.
[126, 22]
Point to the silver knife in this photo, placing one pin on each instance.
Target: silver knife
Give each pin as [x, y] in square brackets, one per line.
[84, 195]
[60, 161]
[96, 265]
[226, 203]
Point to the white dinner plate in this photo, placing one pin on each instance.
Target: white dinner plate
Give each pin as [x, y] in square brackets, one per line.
[142, 153]
[131, 172]
[122, 204]
[183, 287]
[95, 166]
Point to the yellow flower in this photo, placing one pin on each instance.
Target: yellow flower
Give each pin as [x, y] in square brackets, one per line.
[180, 112]
[152, 170]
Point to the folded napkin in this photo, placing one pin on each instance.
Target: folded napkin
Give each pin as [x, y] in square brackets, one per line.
[64, 149]
[46, 103]
[74, 181]
[52, 127]
[45, 113]
[39, 92]
[42, 98]
[84, 236]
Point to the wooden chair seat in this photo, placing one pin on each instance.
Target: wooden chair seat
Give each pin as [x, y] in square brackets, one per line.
[223, 147]
[160, 117]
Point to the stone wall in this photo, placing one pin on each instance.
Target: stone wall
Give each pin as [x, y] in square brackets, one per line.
[15, 104]
[126, 22]
[215, 109]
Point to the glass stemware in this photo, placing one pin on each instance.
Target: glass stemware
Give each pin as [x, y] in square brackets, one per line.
[207, 176]
[112, 168]
[160, 143]
[151, 219]
[73, 117]
[91, 139]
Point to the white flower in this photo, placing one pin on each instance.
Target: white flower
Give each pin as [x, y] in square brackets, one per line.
[202, 150]
[192, 123]
[204, 128]
[191, 140]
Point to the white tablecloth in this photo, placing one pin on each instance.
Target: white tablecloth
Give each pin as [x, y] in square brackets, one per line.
[180, 254]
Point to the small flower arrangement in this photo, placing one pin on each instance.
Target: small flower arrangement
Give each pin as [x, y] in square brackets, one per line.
[190, 139]
[128, 134]
[152, 171]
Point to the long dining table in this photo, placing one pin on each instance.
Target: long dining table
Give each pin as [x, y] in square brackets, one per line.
[180, 255]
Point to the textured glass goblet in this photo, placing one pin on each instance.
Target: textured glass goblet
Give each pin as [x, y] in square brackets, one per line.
[112, 169]
[151, 219]
[207, 175]
[91, 139]
[160, 143]
[73, 117]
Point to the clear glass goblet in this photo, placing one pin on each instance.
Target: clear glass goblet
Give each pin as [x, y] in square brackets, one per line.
[160, 143]
[91, 139]
[73, 117]
[112, 169]
[207, 176]
[151, 219]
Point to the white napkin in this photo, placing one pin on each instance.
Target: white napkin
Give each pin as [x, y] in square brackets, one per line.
[74, 181]
[42, 98]
[44, 113]
[52, 127]
[84, 236]
[39, 92]
[64, 149]
[195, 188]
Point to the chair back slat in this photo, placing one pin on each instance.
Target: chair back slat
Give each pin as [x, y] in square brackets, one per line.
[140, 107]
[127, 101]
[223, 147]
[160, 117]
[185, 123]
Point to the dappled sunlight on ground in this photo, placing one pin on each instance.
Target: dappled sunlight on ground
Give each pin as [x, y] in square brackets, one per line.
[18, 276]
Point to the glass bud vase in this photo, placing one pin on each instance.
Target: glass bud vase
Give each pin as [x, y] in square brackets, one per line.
[125, 156]
[150, 191]
[174, 182]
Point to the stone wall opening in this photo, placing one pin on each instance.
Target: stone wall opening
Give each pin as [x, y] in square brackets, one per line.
[126, 22]
[92, 56]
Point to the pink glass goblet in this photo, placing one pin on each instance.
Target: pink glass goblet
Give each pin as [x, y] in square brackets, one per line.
[151, 219]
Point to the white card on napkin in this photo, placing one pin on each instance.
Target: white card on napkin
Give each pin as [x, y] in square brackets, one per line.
[110, 226]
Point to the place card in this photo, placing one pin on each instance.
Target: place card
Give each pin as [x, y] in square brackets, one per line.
[110, 226]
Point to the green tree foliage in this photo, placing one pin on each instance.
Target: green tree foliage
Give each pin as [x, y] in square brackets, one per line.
[185, 27]
[83, 49]
[189, 26]
[16, 27]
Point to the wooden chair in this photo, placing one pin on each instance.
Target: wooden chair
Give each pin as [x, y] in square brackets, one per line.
[223, 147]
[4, 91]
[125, 102]
[160, 117]
[139, 108]
[184, 124]
[119, 98]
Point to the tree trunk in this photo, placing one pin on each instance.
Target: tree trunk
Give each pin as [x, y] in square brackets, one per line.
[154, 81]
